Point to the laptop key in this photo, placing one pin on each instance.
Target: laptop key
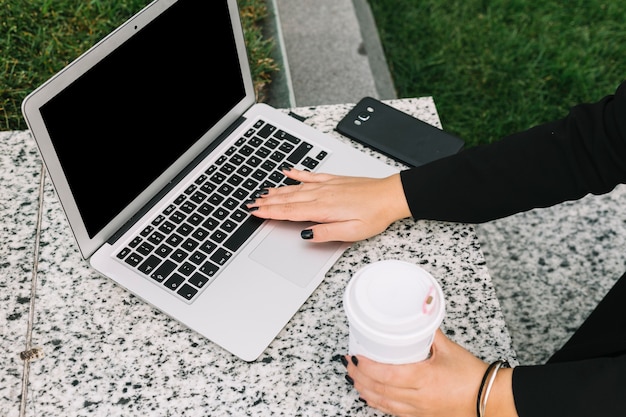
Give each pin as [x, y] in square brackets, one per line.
[122, 254]
[272, 143]
[186, 269]
[284, 135]
[218, 236]
[177, 217]
[209, 269]
[208, 247]
[134, 259]
[221, 256]
[242, 233]
[163, 250]
[179, 255]
[174, 282]
[187, 291]
[184, 229]
[167, 227]
[197, 257]
[188, 207]
[286, 147]
[277, 156]
[149, 264]
[145, 248]
[310, 162]
[198, 279]
[266, 131]
[174, 240]
[299, 153]
[163, 271]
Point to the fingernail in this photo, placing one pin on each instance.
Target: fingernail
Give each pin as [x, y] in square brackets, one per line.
[355, 360]
[350, 380]
[248, 202]
[306, 234]
[285, 167]
[253, 208]
[263, 191]
[344, 361]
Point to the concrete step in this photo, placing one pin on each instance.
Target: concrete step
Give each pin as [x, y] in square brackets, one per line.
[329, 52]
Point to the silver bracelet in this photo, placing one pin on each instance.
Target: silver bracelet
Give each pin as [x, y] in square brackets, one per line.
[486, 384]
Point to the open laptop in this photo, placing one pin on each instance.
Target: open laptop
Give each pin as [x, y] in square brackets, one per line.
[153, 142]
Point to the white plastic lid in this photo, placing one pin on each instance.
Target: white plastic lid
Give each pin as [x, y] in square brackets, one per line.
[394, 297]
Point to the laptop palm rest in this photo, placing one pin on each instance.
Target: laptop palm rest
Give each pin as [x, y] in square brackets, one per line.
[305, 258]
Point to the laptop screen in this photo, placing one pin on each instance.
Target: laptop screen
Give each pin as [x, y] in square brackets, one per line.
[126, 120]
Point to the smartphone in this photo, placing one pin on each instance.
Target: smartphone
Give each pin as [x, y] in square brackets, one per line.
[397, 134]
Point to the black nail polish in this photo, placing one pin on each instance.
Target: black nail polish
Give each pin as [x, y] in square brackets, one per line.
[285, 167]
[344, 361]
[251, 201]
[355, 360]
[306, 234]
[253, 209]
[350, 380]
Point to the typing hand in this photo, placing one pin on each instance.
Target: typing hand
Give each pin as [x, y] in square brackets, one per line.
[345, 208]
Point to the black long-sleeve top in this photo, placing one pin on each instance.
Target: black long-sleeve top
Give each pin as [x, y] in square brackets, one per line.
[567, 159]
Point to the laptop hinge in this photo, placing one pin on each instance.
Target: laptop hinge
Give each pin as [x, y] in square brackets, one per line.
[148, 206]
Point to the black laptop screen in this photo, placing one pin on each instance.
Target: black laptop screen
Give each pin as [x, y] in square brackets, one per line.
[119, 126]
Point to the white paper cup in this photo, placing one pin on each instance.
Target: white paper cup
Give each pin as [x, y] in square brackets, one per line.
[393, 309]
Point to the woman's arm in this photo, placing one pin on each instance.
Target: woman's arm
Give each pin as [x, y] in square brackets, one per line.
[346, 208]
[593, 387]
[563, 160]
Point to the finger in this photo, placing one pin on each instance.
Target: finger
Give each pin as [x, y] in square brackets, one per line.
[346, 231]
[387, 404]
[396, 376]
[308, 181]
[387, 398]
[285, 208]
[306, 176]
[343, 231]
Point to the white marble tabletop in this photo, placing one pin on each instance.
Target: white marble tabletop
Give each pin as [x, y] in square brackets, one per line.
[106, 353]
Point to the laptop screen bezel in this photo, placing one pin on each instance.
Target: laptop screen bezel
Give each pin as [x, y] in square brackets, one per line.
[31, 108]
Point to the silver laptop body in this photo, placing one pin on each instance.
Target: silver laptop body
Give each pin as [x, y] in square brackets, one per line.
[137, 128]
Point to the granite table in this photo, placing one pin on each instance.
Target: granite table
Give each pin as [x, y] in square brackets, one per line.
[103, 352]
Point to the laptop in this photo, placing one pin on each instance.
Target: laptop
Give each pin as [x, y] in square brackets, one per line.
[153, 141]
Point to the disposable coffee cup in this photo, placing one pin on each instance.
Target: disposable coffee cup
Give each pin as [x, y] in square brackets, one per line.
[393, 309]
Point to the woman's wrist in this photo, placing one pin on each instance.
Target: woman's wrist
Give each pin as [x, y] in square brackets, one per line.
[397, 204]
[501, 402]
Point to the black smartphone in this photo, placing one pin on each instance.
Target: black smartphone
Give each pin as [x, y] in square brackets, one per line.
[397, 134]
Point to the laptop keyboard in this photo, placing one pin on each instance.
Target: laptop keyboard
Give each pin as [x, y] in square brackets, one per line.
[187, 244]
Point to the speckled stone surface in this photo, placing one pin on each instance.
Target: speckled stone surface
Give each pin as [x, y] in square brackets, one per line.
[551, 267]
[108, 353]
[19, 174]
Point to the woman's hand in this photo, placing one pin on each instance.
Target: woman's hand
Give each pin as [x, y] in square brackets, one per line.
[444, 385]
[346, 208]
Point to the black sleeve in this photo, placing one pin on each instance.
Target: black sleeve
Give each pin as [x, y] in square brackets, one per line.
[594, 387]
[563, 160]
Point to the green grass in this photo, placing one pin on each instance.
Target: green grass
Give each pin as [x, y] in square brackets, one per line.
[500, 66]
[40, 37]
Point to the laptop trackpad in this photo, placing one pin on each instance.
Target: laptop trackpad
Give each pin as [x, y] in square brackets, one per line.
[286, 253]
